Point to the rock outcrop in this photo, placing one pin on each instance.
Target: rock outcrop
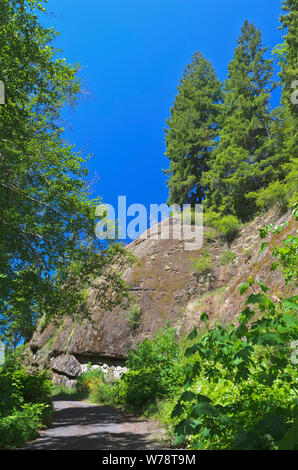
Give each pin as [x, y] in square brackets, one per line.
[166, 289]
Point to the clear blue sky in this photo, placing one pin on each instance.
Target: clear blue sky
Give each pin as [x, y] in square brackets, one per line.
[132, 54]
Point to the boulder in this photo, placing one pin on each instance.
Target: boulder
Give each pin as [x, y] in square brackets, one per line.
[66, 364]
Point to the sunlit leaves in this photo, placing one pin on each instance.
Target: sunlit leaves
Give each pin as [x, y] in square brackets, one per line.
[245, 372]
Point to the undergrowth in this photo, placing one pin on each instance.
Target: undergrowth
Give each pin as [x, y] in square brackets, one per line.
[25, 404]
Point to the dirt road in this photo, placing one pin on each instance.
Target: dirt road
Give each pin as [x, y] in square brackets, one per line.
[80, 425]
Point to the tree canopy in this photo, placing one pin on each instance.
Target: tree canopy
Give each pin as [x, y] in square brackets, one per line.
[226, 146]
[48, 248]
[192, 131]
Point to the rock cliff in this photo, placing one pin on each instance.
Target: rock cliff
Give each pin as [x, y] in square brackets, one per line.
[166, 287]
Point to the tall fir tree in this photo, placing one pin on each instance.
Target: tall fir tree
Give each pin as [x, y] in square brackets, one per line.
[282, 189]
[192, 130]
[288, 54]
[288, 61]
[241, 162]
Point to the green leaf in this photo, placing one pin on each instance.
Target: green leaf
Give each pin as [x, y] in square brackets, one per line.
[290, 304]
[269, 339]
[178, 410]
[243, 288]
[203, 398]
[188, 396]
[263, 247]
[198, 445]
[193, 334]
[204, 409]
[183, 428]
[192, 350]
[204, 317]
[179, 440]
[263, 286]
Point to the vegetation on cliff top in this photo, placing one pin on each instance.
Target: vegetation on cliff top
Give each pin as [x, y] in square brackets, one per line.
[225, 145]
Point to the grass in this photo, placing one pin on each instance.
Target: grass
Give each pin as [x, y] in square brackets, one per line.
[203, 263]
[227, 257]
[210, 234]
[61, 392]
[134, 316]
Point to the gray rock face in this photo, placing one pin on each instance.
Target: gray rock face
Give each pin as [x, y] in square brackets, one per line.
[66, 369]
[160, 282]
[166, 288]
[63, 380]
[111, 373]
[66, 364]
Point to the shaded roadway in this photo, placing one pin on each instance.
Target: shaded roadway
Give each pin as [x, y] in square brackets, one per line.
[79, 425]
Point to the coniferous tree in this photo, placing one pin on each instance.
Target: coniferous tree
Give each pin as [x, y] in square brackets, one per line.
[241, 161]
[284, 176]
[191, 132]
[288, 53]
[288, 60]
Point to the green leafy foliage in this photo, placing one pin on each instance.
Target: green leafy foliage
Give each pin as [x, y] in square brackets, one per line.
[227, 257]
[25, 404]
[134, 315]
[275, 194]
[240, 387]
[48, 249]
[203, 263]
[153, 375]
[226, 225]
[21, 426]
[153, 371]
[96, 385]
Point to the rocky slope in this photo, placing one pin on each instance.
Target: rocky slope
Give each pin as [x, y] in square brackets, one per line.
[166, 288]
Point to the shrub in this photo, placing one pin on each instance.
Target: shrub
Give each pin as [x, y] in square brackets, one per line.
[86, 380]
[18, 387]
[241, 380]
[162, 350]
[93, 384]
[22, 426]
[142, 386]
[134, 315]
[210, 234]
[226, 225]
[227, 257]
[153, 373]
[25, 404]
[276, 193]
[203, 264]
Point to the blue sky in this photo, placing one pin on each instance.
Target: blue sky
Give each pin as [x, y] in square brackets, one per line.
[132, 55]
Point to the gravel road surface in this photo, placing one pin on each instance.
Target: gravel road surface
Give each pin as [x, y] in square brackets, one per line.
[80, 425]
